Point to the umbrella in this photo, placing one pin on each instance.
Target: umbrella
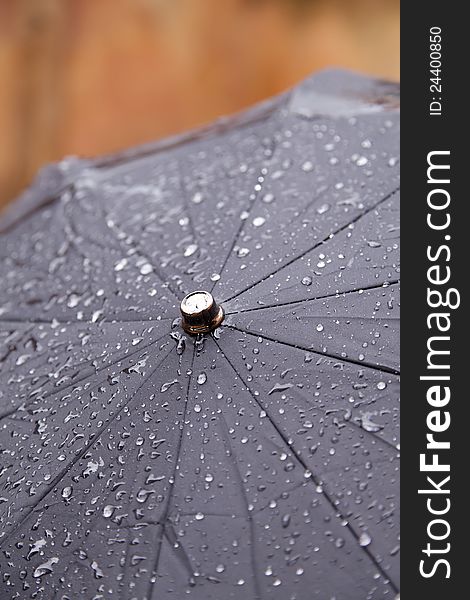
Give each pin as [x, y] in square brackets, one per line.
[199, 363]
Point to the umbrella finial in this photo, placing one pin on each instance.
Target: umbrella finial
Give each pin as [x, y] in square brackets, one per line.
[200, 312]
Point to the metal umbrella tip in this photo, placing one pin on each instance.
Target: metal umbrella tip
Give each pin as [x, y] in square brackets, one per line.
[200, 312]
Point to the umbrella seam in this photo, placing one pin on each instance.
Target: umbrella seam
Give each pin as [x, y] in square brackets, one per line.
[166, 512]
[385, 441]
[84, 362]
[187, 210]
[316, 245]
[308, 205]
[25, 405]
[82, 452]
[381, 368]
[378, 461]
[134, 245]
[251, 205]
[249, 517]
[306, 300]
[44, 203]
[81, 322]
[314, 480]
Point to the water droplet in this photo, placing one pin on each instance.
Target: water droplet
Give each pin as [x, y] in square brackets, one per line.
[364, 539]
[67, 492]
[73, 300]
[306, 280]
[92, 467]
[96, 315]
[146, 268]
[381, 385]
[166, 386]
[108, 511]
[36, 547]
[180, 341]
[307, 166]
[319, 327]
[97, 572]
[368, 424]
[119, 266]
[201, 378]
[322, 209]
[258, 221]
[46, 567]
[190, 250]
[280, 387]
[242, 252]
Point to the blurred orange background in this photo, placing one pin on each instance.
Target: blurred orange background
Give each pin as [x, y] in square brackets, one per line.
[92, 76]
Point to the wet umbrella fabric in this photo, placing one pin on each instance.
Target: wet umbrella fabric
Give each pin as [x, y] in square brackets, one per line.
[257, 462]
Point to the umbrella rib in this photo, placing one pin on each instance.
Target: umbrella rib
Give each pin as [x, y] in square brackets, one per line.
[309, 204]
[349, 318]
[306, 300]
[313, 478]
[382, 368]
[242, 222]
[329, 274]
[179, 549]
[377, 461]
[111, 364]
[75, 382]
[166, 511]
[31, 211]
[133, 244]
[186, 203]
[316, 245]
[289, 490]
[79, 322]
[137, 248]
[249, 517]
[83, 451]
[77, 364]
[138, 525]
[213, 514]
[373, 434]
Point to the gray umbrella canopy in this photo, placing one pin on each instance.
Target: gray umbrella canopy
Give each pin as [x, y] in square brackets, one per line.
[259, 461]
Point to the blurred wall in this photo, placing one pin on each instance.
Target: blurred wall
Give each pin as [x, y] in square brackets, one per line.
[92, 76]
